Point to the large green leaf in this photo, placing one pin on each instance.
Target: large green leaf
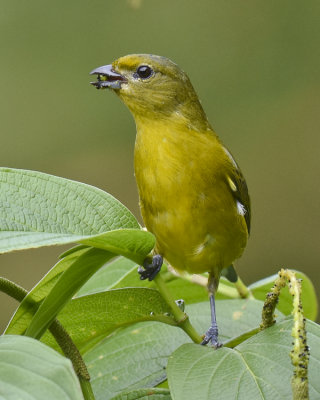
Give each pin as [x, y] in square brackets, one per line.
[136, 356]
[309, 298]
[89, 319]
[259, 368]
[32, 371]
[38, 209]
[133, 358]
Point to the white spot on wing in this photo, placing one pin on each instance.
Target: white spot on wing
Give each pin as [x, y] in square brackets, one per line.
[232, 184]
[241, 208]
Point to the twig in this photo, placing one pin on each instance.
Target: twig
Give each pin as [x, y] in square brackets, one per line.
[300, 352]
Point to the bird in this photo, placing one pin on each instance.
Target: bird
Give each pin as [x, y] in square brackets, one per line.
[192, 194]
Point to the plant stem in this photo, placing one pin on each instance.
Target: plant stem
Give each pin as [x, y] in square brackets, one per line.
[181, 317]
[69, 349]
[86, 389]
[228, 291]
[242, 289]
[300, 352]
[12, 289]
[63, 339]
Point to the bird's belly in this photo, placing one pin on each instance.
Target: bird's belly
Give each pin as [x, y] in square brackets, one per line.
[196, 237]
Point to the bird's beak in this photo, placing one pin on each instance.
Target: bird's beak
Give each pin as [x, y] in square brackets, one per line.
[107, 78]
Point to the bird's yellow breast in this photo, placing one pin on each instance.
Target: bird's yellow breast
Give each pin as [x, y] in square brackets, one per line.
[185, 198]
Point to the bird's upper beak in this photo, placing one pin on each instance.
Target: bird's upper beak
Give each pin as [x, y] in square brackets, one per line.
[107, 78]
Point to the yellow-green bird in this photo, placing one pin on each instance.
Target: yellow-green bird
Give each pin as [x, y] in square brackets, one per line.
[193, 196]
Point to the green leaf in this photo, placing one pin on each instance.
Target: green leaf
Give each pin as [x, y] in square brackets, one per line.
[30, 370]
[109, 276]
[144, 394]
[89, 319]
[38, 209]
[163, 385]
[134, 357]
[259, 368]
[309, 297]
[134, 244]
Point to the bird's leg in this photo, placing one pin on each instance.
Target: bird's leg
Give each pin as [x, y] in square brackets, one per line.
[212, 332]
[150, 270]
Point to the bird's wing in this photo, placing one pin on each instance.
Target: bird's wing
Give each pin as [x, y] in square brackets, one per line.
[238, 186]
[241, 194]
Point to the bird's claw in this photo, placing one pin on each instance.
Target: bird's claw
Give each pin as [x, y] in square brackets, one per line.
[211, 335]
[149, 271]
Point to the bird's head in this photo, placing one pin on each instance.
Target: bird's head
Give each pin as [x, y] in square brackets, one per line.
[150, 85]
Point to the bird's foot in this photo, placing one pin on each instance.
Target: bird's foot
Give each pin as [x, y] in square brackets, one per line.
[212, 335]
[150, 270]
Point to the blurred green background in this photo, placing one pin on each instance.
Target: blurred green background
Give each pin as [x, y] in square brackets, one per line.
[254, 64]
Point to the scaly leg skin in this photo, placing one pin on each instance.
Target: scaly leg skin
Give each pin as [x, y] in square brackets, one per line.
[212, 332]
[149, 271]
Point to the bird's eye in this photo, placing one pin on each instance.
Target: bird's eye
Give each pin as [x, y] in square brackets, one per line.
[144, 72]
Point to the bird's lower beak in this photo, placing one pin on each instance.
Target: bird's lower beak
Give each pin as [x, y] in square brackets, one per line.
[107, 78]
